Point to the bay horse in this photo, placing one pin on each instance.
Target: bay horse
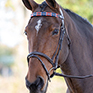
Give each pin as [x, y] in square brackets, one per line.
[58, 37]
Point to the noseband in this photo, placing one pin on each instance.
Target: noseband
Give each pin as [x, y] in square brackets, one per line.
[57, 52]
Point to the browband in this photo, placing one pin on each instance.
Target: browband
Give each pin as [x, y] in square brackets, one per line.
[49, 14]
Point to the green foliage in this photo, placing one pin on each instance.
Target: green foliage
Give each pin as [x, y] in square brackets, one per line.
[4, 50]
[6, 56]
[39, 1]
[81, 7]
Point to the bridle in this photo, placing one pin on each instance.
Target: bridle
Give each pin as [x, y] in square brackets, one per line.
[57, 52]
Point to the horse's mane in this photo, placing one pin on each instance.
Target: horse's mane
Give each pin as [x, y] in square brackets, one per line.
[78, 18]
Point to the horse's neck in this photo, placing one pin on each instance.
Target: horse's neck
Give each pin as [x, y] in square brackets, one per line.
[79, 61]
[71, 67]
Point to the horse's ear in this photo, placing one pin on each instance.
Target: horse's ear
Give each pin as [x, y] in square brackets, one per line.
[52, 4]
[30, 4]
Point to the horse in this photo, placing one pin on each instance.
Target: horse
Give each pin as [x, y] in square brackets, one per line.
[58, 38]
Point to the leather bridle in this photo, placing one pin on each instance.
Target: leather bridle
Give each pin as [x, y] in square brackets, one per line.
[50, 60]
[57, 52]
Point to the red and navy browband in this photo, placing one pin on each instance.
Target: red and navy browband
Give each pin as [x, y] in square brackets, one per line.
[49, 14]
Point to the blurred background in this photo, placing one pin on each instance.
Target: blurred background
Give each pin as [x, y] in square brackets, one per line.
[13, 43]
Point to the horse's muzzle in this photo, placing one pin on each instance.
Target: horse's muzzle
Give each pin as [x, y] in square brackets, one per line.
[36, 86]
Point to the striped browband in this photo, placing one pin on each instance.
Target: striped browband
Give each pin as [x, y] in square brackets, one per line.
[49, 14]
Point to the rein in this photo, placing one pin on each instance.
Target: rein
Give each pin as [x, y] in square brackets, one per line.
[57, 52]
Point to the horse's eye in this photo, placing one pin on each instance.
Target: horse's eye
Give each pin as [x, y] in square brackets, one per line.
[25, 33]
[55, 32]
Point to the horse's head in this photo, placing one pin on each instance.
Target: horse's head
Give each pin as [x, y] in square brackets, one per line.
[45, 34]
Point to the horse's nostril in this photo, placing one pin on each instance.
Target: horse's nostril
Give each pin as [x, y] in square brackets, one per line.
[35, 86]
[39, 83]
